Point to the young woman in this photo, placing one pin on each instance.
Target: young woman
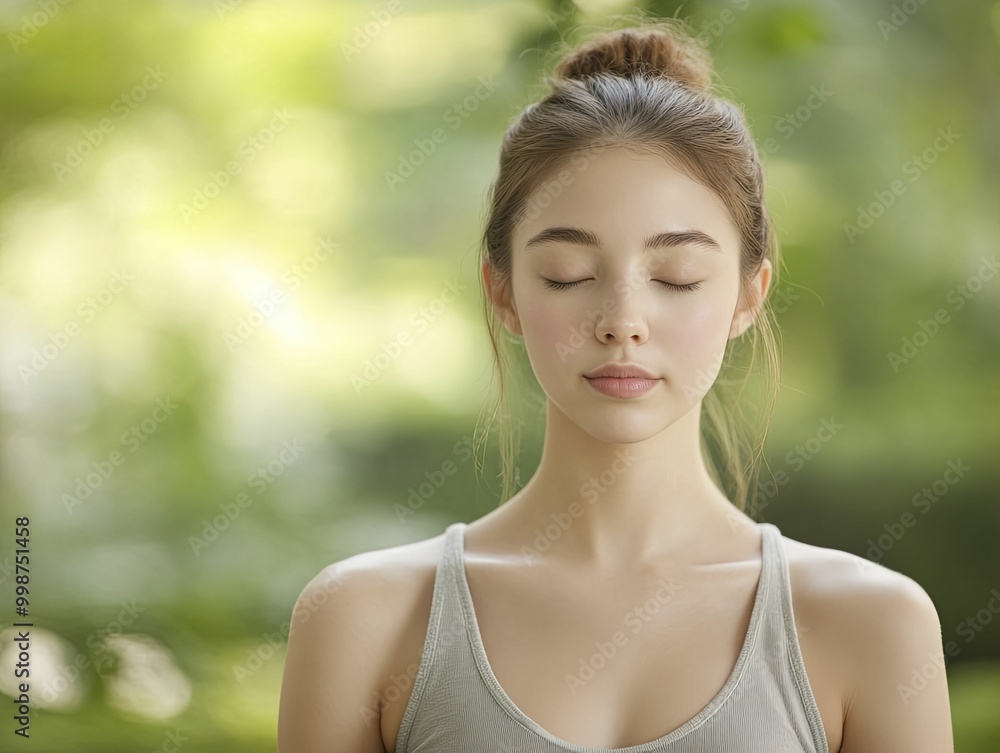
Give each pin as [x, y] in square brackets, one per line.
[620, 601]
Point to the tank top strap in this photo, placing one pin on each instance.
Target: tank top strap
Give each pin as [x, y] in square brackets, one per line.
[765, 616]
[446, 652]
[775, 612]
[781, 634]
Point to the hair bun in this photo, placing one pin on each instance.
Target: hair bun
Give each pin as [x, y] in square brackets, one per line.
[659, 50]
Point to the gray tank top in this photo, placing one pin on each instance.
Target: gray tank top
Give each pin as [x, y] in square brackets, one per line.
[458, 706]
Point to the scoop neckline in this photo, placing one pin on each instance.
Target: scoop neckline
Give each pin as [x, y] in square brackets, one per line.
[767, 555]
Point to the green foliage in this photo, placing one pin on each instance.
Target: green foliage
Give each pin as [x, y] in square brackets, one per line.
[243, 329]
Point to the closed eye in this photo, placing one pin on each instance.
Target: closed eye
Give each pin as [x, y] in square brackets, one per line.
[669, 285]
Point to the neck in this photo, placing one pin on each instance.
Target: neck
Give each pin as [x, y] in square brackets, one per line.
[605, 505]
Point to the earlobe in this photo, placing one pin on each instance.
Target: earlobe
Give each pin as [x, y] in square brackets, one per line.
[741, 322]
[503, 304]
[510, 319]
[747, 313]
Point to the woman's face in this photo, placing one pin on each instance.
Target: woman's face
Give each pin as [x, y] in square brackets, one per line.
[620, 309]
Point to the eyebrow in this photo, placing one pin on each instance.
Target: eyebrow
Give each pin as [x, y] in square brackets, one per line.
[580, 237]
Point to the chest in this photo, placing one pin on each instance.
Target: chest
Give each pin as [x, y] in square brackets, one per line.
[611, 664]
[604, 663]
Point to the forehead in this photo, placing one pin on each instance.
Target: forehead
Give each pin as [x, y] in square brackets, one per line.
[624, 196]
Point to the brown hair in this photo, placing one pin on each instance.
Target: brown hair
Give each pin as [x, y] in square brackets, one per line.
[648, 88]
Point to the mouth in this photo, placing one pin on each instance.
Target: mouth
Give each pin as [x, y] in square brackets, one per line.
[620, 371]
[628, 386]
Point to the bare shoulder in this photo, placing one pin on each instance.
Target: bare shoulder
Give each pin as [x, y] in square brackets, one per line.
[381, 570]
[374, 591]
[346, 630]
[845, 588]
[878, 633]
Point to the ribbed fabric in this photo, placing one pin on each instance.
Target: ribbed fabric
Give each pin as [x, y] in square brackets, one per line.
[458, 706]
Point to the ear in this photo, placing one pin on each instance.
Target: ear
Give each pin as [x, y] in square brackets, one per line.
[747, 311]
[502, 299]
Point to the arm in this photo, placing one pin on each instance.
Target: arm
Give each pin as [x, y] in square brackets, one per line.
[897, 699]
[332, 667]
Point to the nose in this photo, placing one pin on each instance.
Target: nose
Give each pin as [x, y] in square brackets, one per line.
[620, 331]
[624, 322]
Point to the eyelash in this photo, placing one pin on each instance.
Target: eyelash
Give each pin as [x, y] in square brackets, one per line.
[669, 285]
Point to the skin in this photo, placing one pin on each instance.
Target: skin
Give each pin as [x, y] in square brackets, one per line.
[666, 498]
[863, 629]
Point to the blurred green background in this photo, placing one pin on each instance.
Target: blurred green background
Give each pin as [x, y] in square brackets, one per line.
[214, 216]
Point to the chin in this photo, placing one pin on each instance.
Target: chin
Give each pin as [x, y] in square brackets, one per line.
[624, 423]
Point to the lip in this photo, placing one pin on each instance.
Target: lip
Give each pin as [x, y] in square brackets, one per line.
[621, 371]
[622, 386]
[621, 380]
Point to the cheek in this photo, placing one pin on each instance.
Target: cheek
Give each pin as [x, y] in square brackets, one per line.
[548, 332]
[701, 342]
